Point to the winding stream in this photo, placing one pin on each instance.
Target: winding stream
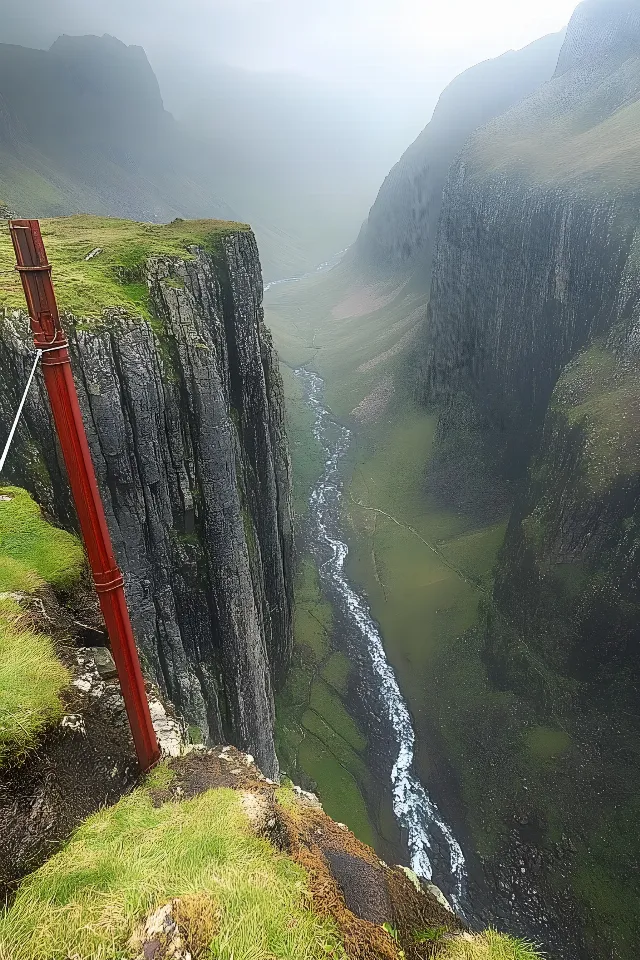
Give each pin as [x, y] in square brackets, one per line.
[415, 812]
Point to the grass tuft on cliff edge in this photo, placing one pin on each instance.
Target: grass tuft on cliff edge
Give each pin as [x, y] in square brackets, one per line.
[32, 554]
[114, 276]
[247, 900]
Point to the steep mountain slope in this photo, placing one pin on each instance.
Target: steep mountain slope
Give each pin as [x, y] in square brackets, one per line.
[531, 359]
[83, 130]
[401, 230]
[182, 402]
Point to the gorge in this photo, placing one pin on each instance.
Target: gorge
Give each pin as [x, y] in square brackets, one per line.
[381, 533]
[492, 495]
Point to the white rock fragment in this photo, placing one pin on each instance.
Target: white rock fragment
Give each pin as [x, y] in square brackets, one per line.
[440, 897]
[171, 737]
[94, 253]
[161, 928]
[308, 799]
[75, 722]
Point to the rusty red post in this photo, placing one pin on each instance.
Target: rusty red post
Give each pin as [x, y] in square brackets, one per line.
[48, 336]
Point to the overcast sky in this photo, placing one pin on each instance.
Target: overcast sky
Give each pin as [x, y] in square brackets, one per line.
[356, 40]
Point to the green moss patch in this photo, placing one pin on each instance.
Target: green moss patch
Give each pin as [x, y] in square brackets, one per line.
[31, 680]
[32, 551]
[490, 945]
[600, 395]
[545, 743]
[32, 554]
[123, 863]
[114, 277]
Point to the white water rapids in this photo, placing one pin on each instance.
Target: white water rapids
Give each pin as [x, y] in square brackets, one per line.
[416, 813]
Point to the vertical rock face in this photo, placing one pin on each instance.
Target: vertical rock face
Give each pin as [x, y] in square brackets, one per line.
[531, 357]
[401, 229]
[185, 421]
[537, 234]
[536, 268]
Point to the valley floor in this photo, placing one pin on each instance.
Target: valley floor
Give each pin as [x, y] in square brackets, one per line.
[505, 778]
[422, 568]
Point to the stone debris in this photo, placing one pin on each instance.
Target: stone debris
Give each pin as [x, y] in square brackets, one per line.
[104, 662]
[306, 798]
[75, 722]
[415, 879]
[88, 680]
[160, 937]
[94, 253]
[440, 897]
[257, 809]
[170, 732]
[373, 406]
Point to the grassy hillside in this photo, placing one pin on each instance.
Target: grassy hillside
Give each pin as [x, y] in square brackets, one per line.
[582, 130]
[33, 555]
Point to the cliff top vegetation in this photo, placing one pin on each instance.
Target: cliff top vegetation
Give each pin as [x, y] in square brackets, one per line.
[114, 276]
[207, 860]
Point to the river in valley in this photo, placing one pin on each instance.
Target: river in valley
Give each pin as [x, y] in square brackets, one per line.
[420, 821]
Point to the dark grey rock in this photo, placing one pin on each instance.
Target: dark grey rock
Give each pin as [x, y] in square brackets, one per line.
[185, 422]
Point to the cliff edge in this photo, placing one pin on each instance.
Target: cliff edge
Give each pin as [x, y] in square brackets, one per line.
[182, 403]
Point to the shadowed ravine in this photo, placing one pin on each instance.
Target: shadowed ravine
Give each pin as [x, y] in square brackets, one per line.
[417, 815]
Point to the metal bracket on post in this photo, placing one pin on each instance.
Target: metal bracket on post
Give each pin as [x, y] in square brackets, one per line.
[49, 337]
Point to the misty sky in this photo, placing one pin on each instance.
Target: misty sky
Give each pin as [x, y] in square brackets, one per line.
[364, 42]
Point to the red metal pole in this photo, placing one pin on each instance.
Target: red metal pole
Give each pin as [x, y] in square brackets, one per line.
[48, 336]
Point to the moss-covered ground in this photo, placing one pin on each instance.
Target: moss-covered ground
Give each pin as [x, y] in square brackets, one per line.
[114, 276]
[315, 733]
[32, 554]
[249, 901]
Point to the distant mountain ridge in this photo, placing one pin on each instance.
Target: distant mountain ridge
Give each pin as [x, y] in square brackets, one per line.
[83, 129]
[401, 229]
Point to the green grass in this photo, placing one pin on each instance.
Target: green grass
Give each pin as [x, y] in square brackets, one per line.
[546, 743]
[114, 277]
[306, 452]
[600, 395]
[490, 946]
[32, 551]
[31, 680]
[336, 672]
[587, 147]
[607, 878]
[315, 734]
[124, 862]
[32, 554]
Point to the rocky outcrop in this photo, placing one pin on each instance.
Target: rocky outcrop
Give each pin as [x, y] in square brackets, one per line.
[183, 409]
[401, 230]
